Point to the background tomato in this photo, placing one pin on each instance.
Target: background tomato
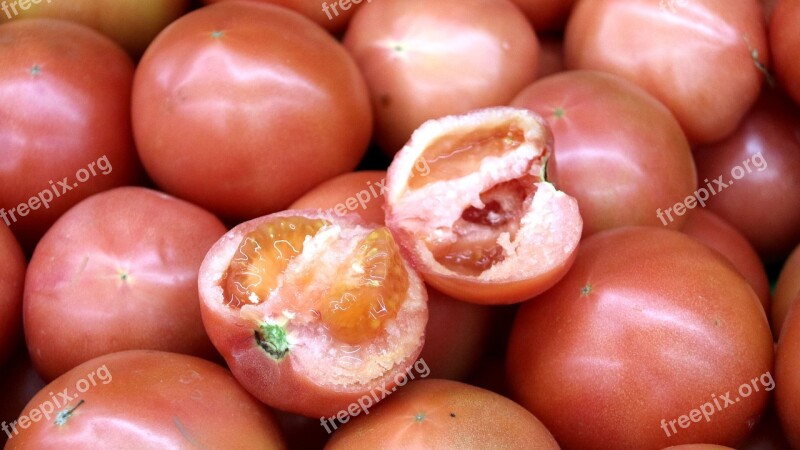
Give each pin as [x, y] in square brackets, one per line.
[12, 280]
[19, 382]
[361, 193]
[787, 289]
[647, 326]
[55, 120]
[784, 40]
[787, 383]
[147, 399]
[118, 272]
[709, 84]
[334, 17]
[242, 107]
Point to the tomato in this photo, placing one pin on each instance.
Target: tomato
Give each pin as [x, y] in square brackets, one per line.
[265, 87]
[131, 23]
[361, 193]
[426, 59]
[12, 280]
[718, 234]
[647, 327]
[444, 414]
[709, 84]
[312, 311]
[546, 14]
[333, 15]
[62, 137]
[787, 366]
[145, 399]
[624, 166]
[699, 447]
[482, 223]
[767, 435]
[784, 40]
[758, 166]
[786, 290]
[19, 383]
[118, 272]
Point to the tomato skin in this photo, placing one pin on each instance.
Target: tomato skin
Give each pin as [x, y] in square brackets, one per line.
[354, 191]
[787, 290]
[54, 120]
[131, 23]
[119, 271]
[787, 383]
[277, 95]
[434, 413]
[709, 85]
[150, 399]
[12, 281]
[769, 140]
[314, 10]
[784, 40]
[647, 320]
[718, 234]
[423, 60]
[607, 161]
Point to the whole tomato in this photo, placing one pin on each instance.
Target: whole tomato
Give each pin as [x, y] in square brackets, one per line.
[652, 339]
[787, 366]
[333, 15]
[787, 290]
[65, 129]
[241, 107]
[12, 281]
[704, 59]
[784, 40]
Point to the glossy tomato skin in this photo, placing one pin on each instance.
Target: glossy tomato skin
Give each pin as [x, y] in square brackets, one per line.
[709, 84]
[118, 272]
[423, 60]
[444, 414]
[131, 23]
[784, 40]
[56, 121]
[787, 366]
[360, 193]
[762, 204]
[787, 290]
[12, 281]
[648, 325]
[546, 15]
[242, 107]
[333, 18]
[148, 399]
[622, 165]
[718, 234]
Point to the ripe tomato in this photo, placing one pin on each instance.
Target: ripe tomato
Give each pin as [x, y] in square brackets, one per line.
[333, 15]
[758, 166]
[118, 272]
[786, 290]
[65, 130]
[784, 40]
[19, 383]
[145, 399]
[444, 414]
[312, 311]
[718, 234]
[361, 193]
[12, 280]
[648, 326]
[426, 59]
[241, 107]
[787, 366]
[546, 15]
[704, 59]
[131, 23]
[624, 166]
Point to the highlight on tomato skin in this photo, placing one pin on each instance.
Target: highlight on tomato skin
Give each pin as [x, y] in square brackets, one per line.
[312, 311]
[482, 223]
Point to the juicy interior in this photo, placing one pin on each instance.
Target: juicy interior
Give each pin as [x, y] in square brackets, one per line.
[473, 246]
[363, 293]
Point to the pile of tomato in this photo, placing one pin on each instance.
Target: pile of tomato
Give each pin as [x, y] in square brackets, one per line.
[410, 224]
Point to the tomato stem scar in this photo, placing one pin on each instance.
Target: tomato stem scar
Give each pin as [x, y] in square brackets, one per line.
[61, 418]
[272, 338]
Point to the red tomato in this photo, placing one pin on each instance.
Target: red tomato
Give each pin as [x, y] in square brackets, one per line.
[699, 447]
[426, 59]
[784, 40]
[624, 166]
[767, 435]
[65, 130]
[145, 399]
[333, 15]
[647, 327]
[242, 107]
[787, 366]
[546, 15]
[361, 193]
[12, 280]
[758, 166]
[118, 272]
[787, 290]
[718, 234]
[131, 23]
[441, 414]
[19, 382]
[704, 59]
